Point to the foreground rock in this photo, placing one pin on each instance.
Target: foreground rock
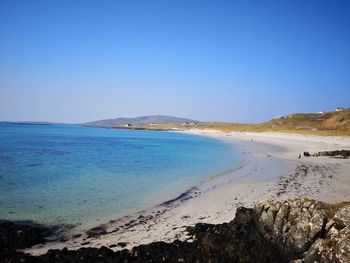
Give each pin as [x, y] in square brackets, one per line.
[300, 230]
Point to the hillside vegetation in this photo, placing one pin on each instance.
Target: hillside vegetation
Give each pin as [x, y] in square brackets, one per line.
[329, 123]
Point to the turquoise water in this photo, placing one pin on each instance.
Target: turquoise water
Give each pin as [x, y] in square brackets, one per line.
[66, 174]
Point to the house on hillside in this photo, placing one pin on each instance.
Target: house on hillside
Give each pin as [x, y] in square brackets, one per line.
[188, 123]
[339, 109]
[127, 125]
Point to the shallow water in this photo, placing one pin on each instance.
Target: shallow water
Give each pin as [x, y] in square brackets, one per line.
[67, 174]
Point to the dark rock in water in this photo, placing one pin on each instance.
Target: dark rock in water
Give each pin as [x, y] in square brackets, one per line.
[337, 153]
[296, 231]
[15, 236]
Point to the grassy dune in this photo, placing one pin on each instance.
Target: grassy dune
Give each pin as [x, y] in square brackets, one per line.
[328, 124]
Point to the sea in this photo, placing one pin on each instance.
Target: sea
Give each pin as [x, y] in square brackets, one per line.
[84, 176]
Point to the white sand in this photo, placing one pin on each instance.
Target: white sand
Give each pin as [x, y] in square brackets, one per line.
[271, 170]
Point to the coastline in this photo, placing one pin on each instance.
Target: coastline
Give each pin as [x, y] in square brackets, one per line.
[271, 170]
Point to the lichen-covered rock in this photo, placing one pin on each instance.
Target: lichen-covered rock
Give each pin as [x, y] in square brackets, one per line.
[291, 225]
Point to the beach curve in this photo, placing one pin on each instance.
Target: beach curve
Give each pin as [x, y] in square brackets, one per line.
[270, 162]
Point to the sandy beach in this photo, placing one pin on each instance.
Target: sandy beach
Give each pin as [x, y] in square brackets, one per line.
[270, 169]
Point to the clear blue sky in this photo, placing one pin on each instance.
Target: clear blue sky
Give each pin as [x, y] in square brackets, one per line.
[245, 61]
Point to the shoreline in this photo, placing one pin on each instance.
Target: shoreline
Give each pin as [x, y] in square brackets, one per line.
[269, 166]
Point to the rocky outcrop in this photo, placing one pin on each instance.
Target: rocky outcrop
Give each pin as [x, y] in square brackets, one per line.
[300, 230]
[296, 231]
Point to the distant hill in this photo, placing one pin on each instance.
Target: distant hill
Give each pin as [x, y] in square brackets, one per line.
[29, 122]
[144, 120]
